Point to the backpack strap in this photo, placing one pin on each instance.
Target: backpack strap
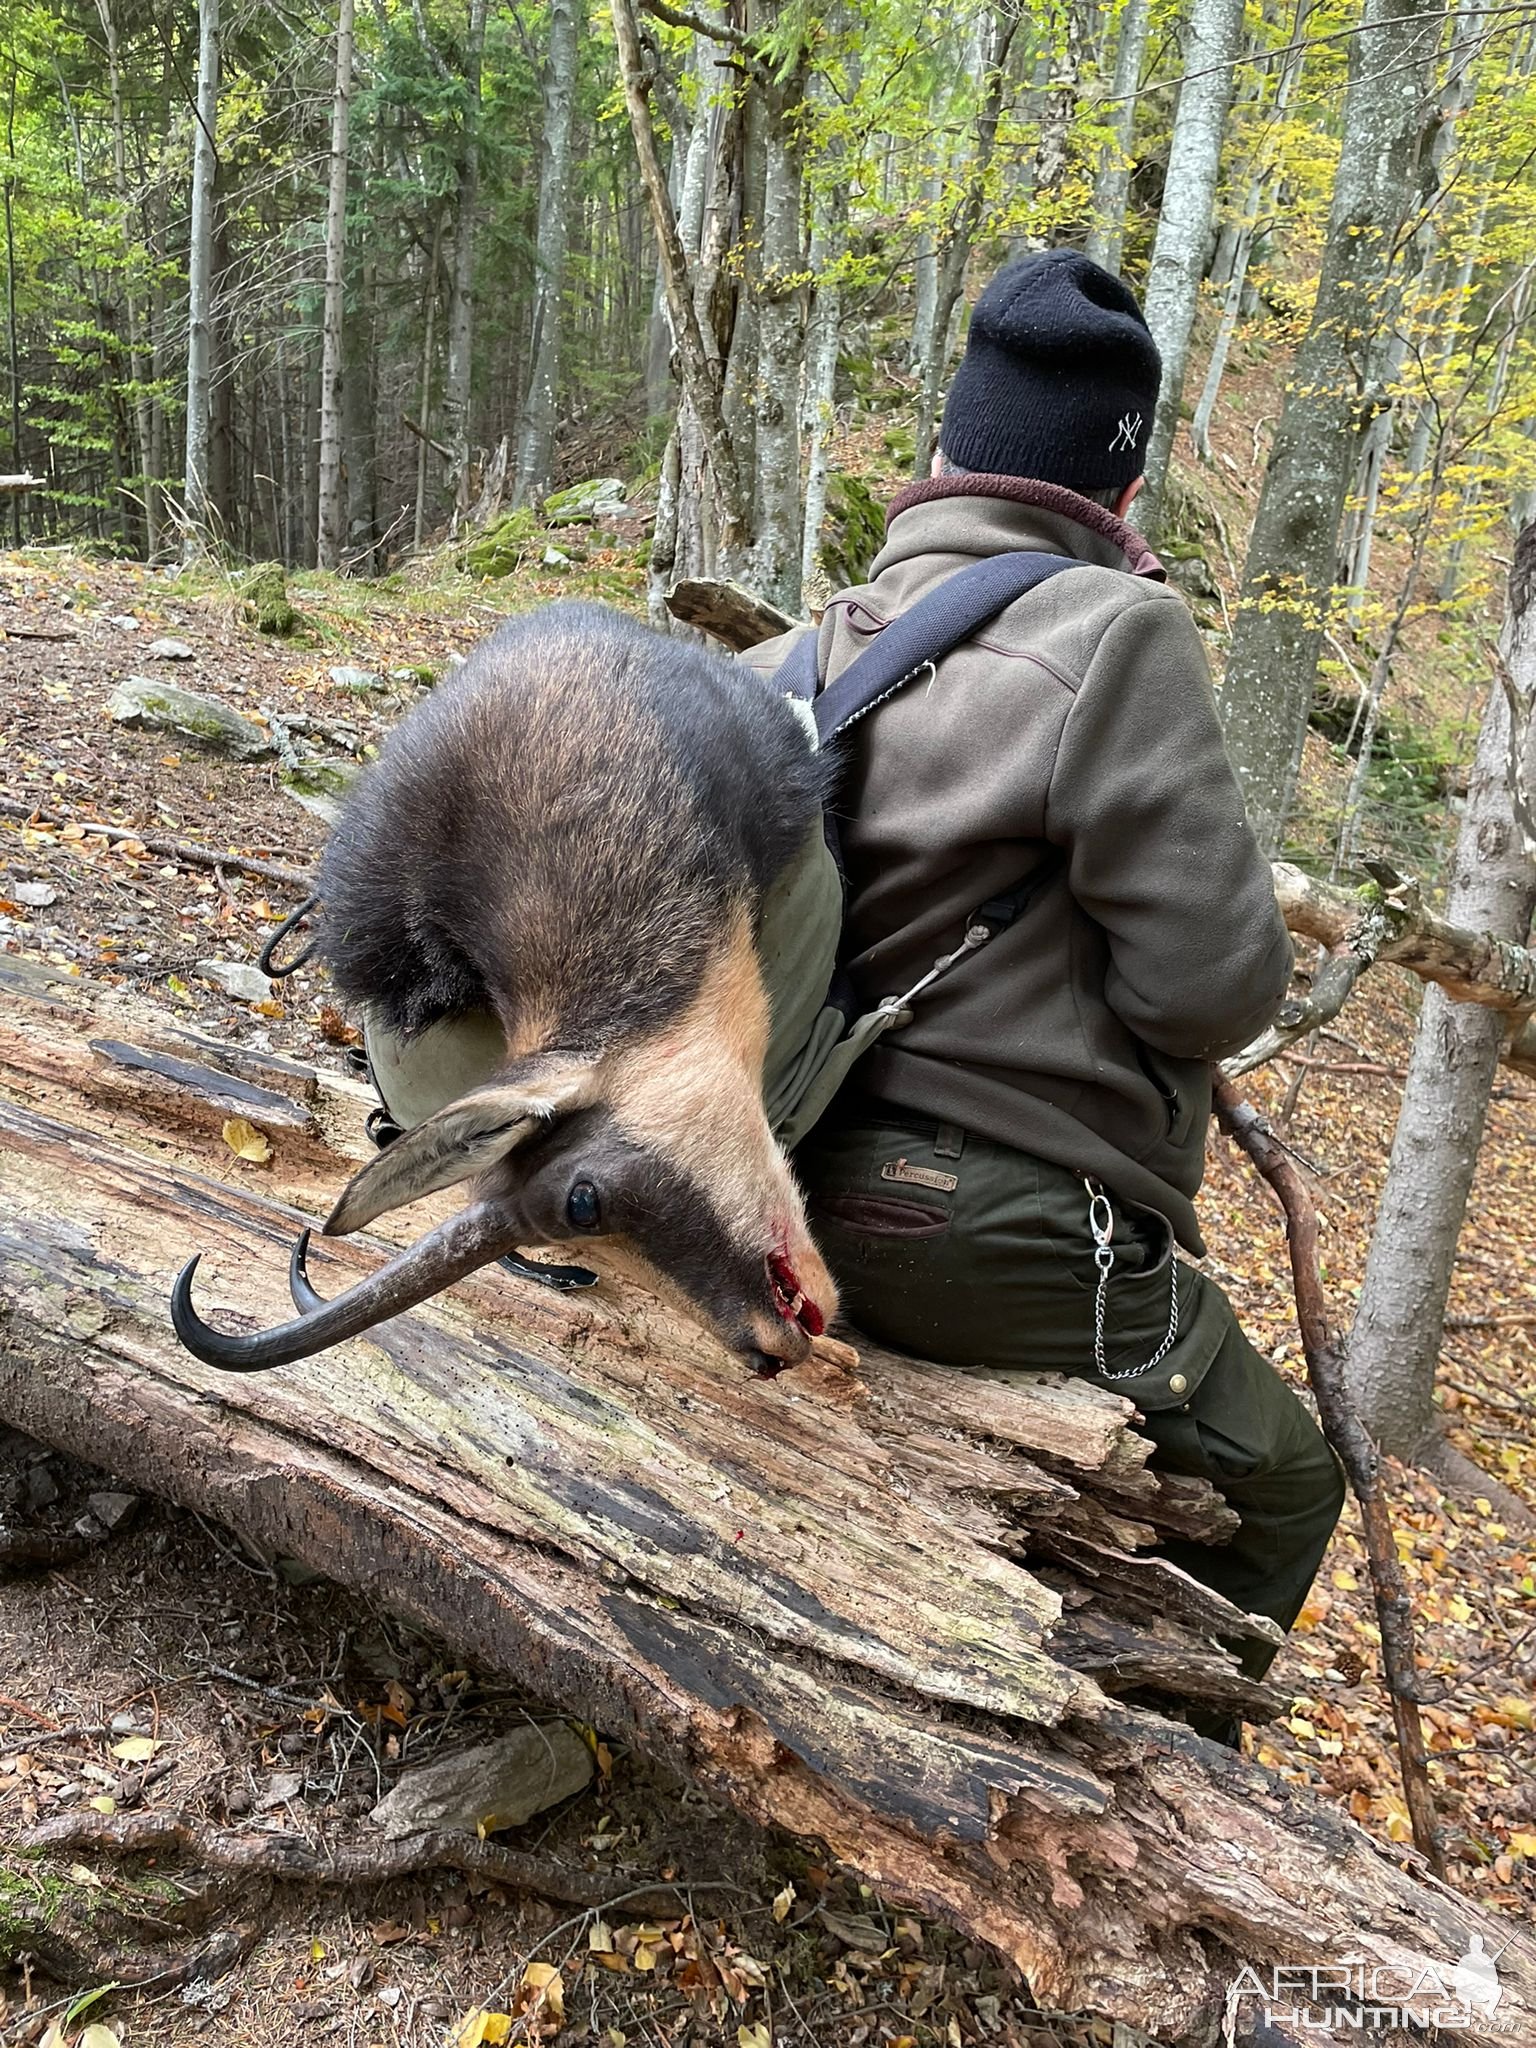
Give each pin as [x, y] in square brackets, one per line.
[937, 624]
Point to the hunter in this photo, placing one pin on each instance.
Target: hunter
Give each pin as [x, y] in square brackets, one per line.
[1001, 1186]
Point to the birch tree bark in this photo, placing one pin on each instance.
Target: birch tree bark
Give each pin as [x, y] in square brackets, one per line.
[536, 436]
[196, 506]
[1112, 185]
[461, 291]
[1398, 1330]
[1184, 221]
[331, 511]
[1289, 576]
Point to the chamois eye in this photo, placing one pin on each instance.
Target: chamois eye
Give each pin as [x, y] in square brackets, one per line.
[583, 1210]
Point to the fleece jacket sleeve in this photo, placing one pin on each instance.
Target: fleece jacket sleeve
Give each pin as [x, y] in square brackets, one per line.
[1144, 801]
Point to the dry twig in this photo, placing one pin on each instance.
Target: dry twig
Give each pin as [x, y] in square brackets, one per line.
[1325, 1367]
[168, 849]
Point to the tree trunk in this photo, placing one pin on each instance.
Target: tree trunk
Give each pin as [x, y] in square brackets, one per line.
[925, 270]
[698, 360]
[1292, 554]
[1071, 31]
[197, 534]
[424, 391]
[1396, 1343]
[138, 367]
[991, 83]
[461, 291]
[13, 355]
[1245, 235]
[776, 496]
[1184, 222]
[1111, 187]
[331, 512]
[536, 437]
[888, 1618]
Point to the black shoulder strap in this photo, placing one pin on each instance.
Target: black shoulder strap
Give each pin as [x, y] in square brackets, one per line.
[934, 627]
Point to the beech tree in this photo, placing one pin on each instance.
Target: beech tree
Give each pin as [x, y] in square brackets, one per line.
[1290, 574]
[1398, 1331]
[1184, 219]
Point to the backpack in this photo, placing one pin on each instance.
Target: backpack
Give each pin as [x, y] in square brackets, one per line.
[815, 1039]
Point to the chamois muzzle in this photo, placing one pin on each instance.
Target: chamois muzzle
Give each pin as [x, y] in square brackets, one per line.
[461, 1246]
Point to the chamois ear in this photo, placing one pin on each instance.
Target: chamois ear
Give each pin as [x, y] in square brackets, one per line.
[464, 1139]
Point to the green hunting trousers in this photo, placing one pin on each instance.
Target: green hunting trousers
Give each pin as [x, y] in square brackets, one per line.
[956, 1249]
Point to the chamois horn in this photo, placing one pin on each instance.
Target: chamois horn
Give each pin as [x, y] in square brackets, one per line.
[474, 1238]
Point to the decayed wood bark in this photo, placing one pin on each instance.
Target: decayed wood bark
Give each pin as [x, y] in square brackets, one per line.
[859, 1606]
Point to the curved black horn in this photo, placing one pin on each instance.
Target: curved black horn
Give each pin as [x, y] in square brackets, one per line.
[460, 1246]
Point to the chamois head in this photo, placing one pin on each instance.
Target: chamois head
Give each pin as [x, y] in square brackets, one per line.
[575, 833]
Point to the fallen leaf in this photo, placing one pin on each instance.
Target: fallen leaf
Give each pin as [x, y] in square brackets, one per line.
[79, 1873]
[782, 1904]
[542, 1984]
[246, 1142]
[754, 2037]
[102, 1803]
[98, 2036]
[135, 1749]
[481, 2029]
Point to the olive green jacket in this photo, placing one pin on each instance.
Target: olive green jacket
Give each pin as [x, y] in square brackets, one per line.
[1082, 719]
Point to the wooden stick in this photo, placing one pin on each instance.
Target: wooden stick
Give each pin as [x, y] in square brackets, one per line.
[169, 849]
[1324, 1350]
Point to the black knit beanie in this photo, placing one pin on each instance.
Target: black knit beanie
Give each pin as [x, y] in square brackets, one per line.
[1059, 378]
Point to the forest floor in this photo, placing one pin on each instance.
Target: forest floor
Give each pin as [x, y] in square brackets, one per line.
[267, 1700]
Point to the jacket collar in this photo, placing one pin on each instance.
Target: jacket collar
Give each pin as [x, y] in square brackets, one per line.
[992, 515]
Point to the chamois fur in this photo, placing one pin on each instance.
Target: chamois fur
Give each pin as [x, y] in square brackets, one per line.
[561, 831]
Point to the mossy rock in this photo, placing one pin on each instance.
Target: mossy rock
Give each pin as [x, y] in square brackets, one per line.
[264, 591]
[160, 707]
[852, 531]
[600, 497]
[900, 443]
[503, 546]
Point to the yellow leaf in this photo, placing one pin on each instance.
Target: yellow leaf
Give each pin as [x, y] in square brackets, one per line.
[246, 1142]
[481, 2029]
[1301, 1727]
[645, 1957]
[98, 2036]
[135, 1749]
[754, 2037]
[102, 1803]
[1346, 1582]
[80, 1874]
[542, 1981]
[782, 1904]
[1520, 1711]
[1523, 1844]
[1460, 1611]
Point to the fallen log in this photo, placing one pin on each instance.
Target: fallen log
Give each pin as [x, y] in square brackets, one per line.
[894, 1618]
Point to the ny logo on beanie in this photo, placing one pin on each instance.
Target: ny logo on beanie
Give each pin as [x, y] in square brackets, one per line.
[1128, 433]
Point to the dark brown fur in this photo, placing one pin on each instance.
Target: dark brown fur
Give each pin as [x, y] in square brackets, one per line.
[559, 831]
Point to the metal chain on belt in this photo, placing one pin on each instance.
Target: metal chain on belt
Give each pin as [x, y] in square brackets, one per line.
[1101, 1223]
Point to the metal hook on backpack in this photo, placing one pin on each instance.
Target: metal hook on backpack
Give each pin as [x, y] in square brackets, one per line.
[267, 961]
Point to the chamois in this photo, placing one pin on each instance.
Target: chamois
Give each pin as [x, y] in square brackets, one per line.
[575, 833]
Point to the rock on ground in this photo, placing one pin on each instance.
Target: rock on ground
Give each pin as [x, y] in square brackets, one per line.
[163, 708]
[496, 1785]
